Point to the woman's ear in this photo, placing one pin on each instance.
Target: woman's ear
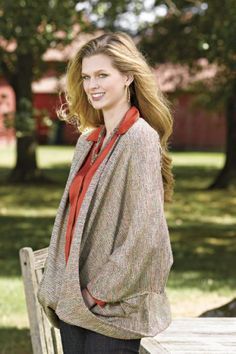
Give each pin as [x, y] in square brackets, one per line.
[129, 79]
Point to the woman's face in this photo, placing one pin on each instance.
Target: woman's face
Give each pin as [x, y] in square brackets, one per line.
[103, 84]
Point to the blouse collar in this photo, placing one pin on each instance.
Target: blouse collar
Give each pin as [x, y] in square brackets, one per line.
[130, 117]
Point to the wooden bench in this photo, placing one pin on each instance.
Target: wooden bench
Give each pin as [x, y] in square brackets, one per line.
[183, 336]
[45, 338]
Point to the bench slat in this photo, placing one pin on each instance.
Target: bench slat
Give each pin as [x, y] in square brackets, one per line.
[32, 264]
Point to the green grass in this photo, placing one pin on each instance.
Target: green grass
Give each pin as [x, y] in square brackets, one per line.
[201, 224]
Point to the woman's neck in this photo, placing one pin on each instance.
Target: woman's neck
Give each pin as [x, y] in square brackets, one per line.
[113, 116]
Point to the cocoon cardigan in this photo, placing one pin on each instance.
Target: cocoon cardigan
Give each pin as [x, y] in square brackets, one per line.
[121, 247]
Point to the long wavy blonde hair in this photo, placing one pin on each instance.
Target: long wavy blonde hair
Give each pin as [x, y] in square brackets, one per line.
[145, 93]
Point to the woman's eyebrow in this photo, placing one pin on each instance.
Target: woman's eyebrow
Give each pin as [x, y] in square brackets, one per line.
[95, 72]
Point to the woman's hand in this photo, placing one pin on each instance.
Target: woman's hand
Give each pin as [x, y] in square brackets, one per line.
[88, 299]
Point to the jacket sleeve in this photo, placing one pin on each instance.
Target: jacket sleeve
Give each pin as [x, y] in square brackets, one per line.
[142, 262]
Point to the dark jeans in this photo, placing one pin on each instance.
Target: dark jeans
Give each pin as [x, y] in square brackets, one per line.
[78, 340]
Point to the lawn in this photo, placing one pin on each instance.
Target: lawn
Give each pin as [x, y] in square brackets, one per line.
[201, 224]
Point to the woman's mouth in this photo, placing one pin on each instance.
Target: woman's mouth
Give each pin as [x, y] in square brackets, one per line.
[97, 96]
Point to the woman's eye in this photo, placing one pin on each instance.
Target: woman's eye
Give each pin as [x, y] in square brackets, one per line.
[100, 75]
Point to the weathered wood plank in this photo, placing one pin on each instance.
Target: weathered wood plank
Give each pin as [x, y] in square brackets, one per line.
[44, 321]
[30, 286]
[151, 346]
[40, 258]
[195, 335]
[56, 336]
[44, 338]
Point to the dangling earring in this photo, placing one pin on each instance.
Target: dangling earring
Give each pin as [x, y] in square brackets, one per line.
[89, 100]
[128, 93]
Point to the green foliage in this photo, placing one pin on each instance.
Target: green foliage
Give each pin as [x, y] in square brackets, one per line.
[28, 28]
[34, 26]
[24, 120]
[192, 30]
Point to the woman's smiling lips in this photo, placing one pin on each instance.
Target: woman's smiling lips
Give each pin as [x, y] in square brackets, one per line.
[97, 96]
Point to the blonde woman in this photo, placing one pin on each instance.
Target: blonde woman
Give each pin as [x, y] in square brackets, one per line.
[110, 254]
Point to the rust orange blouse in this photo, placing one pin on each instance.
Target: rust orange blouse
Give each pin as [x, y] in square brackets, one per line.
[83, 177]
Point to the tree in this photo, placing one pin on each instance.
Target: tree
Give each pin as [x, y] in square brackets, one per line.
[28, 28]
[194, 29]
[183, 31]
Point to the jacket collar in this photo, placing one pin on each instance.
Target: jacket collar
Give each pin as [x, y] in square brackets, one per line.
[130, 117]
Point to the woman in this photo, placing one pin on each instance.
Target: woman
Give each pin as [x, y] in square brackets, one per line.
[110, 254]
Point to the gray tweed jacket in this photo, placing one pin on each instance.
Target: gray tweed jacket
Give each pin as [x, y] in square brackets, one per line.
[121, 248]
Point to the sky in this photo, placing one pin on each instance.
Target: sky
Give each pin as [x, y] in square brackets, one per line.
[127, 21]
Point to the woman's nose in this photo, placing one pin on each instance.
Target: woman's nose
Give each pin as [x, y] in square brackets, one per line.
[93, 83]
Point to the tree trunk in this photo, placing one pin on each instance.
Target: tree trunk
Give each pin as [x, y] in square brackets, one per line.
[25, 169]
[227, 175]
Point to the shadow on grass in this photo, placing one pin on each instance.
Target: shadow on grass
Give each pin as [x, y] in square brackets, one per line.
[193, 178]
[15, 341]
[204, 252]
[18, 232]
[57, 173]
[30, 195]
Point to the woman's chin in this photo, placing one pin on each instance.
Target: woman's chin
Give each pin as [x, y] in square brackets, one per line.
[100, 105]
[97, 104]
